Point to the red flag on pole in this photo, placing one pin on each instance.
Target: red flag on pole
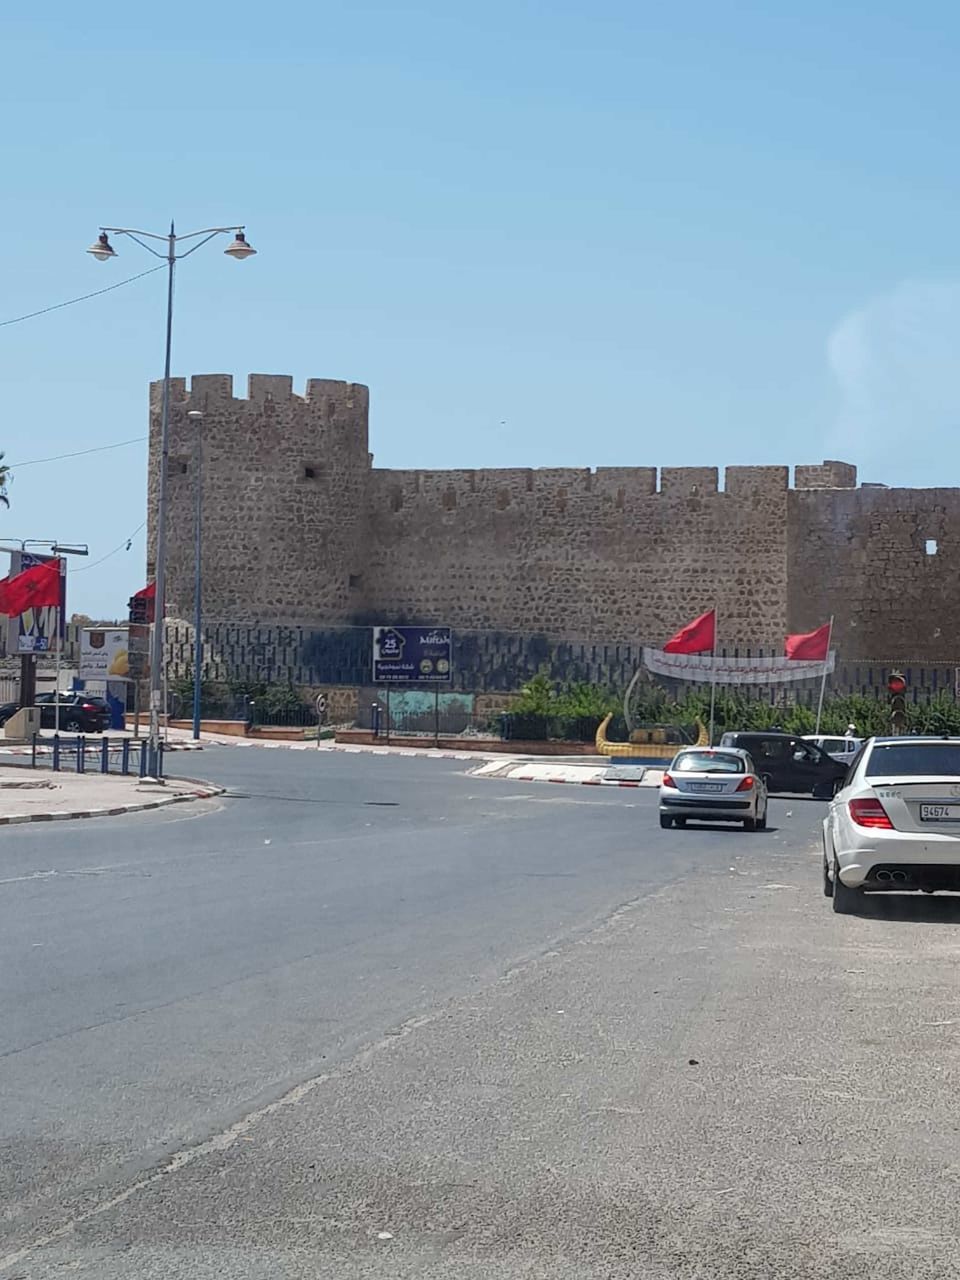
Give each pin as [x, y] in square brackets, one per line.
[810, 646]
[698, 636]
[36, 588]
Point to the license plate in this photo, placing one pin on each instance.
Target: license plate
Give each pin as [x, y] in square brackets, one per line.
[708, 786]
[940, 813]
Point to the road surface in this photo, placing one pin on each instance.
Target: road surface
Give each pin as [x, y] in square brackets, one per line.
[375, 1017]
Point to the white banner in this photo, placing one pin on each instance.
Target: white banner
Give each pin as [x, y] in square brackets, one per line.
[704, 668]
[104, 653]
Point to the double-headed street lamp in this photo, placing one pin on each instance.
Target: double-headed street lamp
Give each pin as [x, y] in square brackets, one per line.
[103, 251]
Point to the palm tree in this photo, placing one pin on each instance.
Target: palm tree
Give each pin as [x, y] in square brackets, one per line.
[4, 478]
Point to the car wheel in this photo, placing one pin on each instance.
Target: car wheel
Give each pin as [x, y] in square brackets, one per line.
[750, 824]
[845, 899]
[679, 822]
[827, 882]
[665, 821]
[72, 725]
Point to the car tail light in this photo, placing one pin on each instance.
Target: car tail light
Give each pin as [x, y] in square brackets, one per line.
[746, 784]
[668, 781]
[88, 706]
[869, 812]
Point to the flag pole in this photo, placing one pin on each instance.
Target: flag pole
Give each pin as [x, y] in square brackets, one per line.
[58, 622]
[713, 673]
[823, 676]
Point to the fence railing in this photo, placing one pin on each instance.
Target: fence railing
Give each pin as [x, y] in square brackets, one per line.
[76, 753]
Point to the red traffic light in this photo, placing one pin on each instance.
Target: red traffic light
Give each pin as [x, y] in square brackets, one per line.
[895, 682]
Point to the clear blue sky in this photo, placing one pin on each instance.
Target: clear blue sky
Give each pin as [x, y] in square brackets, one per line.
[619, 233]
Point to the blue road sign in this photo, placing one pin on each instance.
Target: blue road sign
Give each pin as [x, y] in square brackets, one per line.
[412, 655]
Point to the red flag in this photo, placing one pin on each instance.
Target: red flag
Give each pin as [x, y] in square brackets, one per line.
[149, 592]
[36, 588]
[698, 636]
[812, 646]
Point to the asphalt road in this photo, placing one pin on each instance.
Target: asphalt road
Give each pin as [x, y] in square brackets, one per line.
[374, 1017]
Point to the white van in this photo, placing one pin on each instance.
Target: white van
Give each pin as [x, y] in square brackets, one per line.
[838, 748]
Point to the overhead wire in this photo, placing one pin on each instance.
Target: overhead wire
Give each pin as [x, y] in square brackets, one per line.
[57, 306]
[80, 453]
[125, 544]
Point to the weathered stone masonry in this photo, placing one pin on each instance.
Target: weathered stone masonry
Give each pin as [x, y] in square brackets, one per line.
[302, 532]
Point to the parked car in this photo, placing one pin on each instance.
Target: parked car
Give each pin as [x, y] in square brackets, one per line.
[837, 748]
[713, 785]
[896, 822]
[79, 712]
[788, 763]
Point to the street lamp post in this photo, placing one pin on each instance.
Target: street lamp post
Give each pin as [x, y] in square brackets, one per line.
[197, 418]
[103, 251]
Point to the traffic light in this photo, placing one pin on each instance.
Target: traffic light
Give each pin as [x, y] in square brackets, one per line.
[897, 688]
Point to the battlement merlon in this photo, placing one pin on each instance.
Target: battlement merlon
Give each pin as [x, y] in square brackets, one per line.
[215, 389]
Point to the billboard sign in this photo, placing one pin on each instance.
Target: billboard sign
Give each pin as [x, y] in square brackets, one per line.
[104, 654]
[412, 655]
[35, 631]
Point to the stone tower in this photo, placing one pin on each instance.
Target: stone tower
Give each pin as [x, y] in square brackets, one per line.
[285, 481]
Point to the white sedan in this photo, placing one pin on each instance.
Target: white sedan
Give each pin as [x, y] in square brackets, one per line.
[714, 784]
[895, 824]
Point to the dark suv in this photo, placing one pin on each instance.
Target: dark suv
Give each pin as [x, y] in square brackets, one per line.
[79, 712]
[788, 763]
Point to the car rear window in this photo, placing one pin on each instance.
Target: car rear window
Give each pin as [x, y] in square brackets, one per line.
[833, 744]
[707, 762]
[899, 759]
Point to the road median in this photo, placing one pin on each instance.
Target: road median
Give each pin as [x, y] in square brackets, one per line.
[28, 795]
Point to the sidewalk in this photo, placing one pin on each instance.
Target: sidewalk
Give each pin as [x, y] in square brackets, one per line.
[35, 795]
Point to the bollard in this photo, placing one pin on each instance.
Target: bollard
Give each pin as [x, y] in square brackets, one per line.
[105, 755]
[375, 718]
[81, 754]
[125, 757]
[33, 753]
[143, 758]
[160, 761]
[56, 753]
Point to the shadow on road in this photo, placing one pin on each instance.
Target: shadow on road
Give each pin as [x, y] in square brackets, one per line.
[912, 908]
[730, 828]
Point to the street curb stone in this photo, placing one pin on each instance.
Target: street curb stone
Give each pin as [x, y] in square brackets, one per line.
[206, 791]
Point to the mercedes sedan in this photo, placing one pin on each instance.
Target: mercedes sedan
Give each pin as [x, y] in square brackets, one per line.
[895, 823]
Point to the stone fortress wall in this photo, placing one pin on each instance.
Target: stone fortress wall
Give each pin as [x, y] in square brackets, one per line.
[302, 532]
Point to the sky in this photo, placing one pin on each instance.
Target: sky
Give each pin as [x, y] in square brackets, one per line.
[623, 233]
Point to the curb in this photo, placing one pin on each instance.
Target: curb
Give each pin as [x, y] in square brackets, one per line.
[205, 792]
[350, 749]
[574, 782]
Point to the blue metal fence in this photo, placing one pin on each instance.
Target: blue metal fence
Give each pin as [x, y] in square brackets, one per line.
[75, 753]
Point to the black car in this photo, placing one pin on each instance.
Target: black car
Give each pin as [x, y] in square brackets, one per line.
[79, 712]
[788, 763]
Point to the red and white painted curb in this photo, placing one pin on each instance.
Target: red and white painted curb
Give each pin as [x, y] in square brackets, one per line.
[577, 782]
[204, 792]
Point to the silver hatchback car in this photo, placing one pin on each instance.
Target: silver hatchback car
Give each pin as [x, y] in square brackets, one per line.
[714, 784]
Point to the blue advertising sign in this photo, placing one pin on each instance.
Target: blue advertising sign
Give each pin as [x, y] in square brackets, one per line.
[35, 631]
[412, 655]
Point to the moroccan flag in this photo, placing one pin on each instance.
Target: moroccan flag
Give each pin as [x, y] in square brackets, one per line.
[36, 588]
[149, 592]
[698, 636]
[812, 646]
